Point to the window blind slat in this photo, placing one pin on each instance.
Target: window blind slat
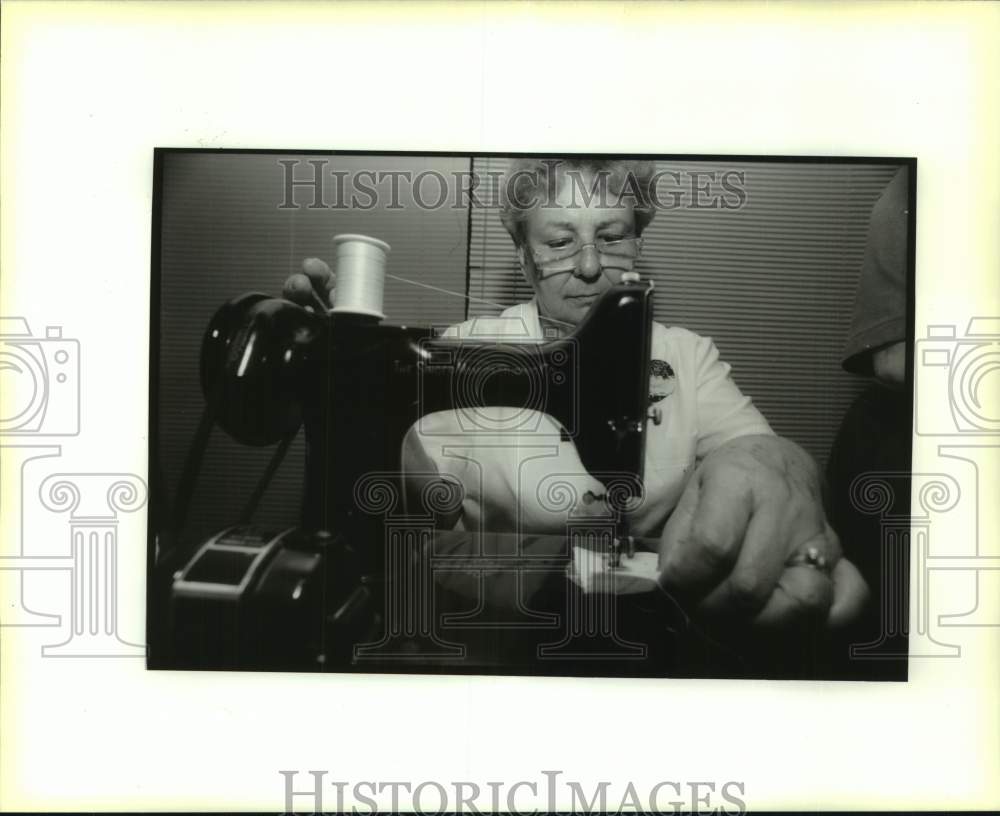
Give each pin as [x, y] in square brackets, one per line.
[772, 283]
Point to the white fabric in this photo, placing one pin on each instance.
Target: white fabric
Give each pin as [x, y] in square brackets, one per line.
[520, 476]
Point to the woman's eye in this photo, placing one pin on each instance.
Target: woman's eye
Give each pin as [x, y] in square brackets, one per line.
[611, 239]
[559, 243]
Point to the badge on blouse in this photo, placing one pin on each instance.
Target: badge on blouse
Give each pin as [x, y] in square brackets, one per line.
[661, 380]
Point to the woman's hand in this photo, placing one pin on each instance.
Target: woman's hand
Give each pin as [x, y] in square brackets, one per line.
[313, 287]
[749, 541]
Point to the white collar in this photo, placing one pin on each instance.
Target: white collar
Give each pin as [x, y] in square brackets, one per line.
[527, 313]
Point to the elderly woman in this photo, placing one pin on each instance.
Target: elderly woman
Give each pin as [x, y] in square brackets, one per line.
[738, 509]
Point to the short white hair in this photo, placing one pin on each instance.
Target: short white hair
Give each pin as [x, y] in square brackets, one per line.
[626, 179]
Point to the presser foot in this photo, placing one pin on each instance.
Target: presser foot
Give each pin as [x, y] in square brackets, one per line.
[621, 545]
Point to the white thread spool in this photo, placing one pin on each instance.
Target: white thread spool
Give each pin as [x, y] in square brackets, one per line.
[360, 275]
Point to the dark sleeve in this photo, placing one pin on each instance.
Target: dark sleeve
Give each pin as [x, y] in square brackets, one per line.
[880, 302]
[873, 440]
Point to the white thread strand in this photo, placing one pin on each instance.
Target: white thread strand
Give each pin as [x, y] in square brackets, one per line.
[465, 297]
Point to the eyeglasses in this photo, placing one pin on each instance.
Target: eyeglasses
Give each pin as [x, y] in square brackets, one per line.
[618, 254]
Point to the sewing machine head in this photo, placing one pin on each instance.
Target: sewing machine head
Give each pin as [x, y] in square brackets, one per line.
[304, 598]
[359, 385]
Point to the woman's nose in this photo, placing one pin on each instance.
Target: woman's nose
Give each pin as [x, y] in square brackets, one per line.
[590, 263]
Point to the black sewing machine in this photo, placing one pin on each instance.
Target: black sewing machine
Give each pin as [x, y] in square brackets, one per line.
[365, 583]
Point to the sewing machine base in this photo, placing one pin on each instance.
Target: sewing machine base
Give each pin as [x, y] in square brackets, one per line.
[456, 603]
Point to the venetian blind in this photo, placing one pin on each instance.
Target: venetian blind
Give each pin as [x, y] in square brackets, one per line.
[772, 281]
